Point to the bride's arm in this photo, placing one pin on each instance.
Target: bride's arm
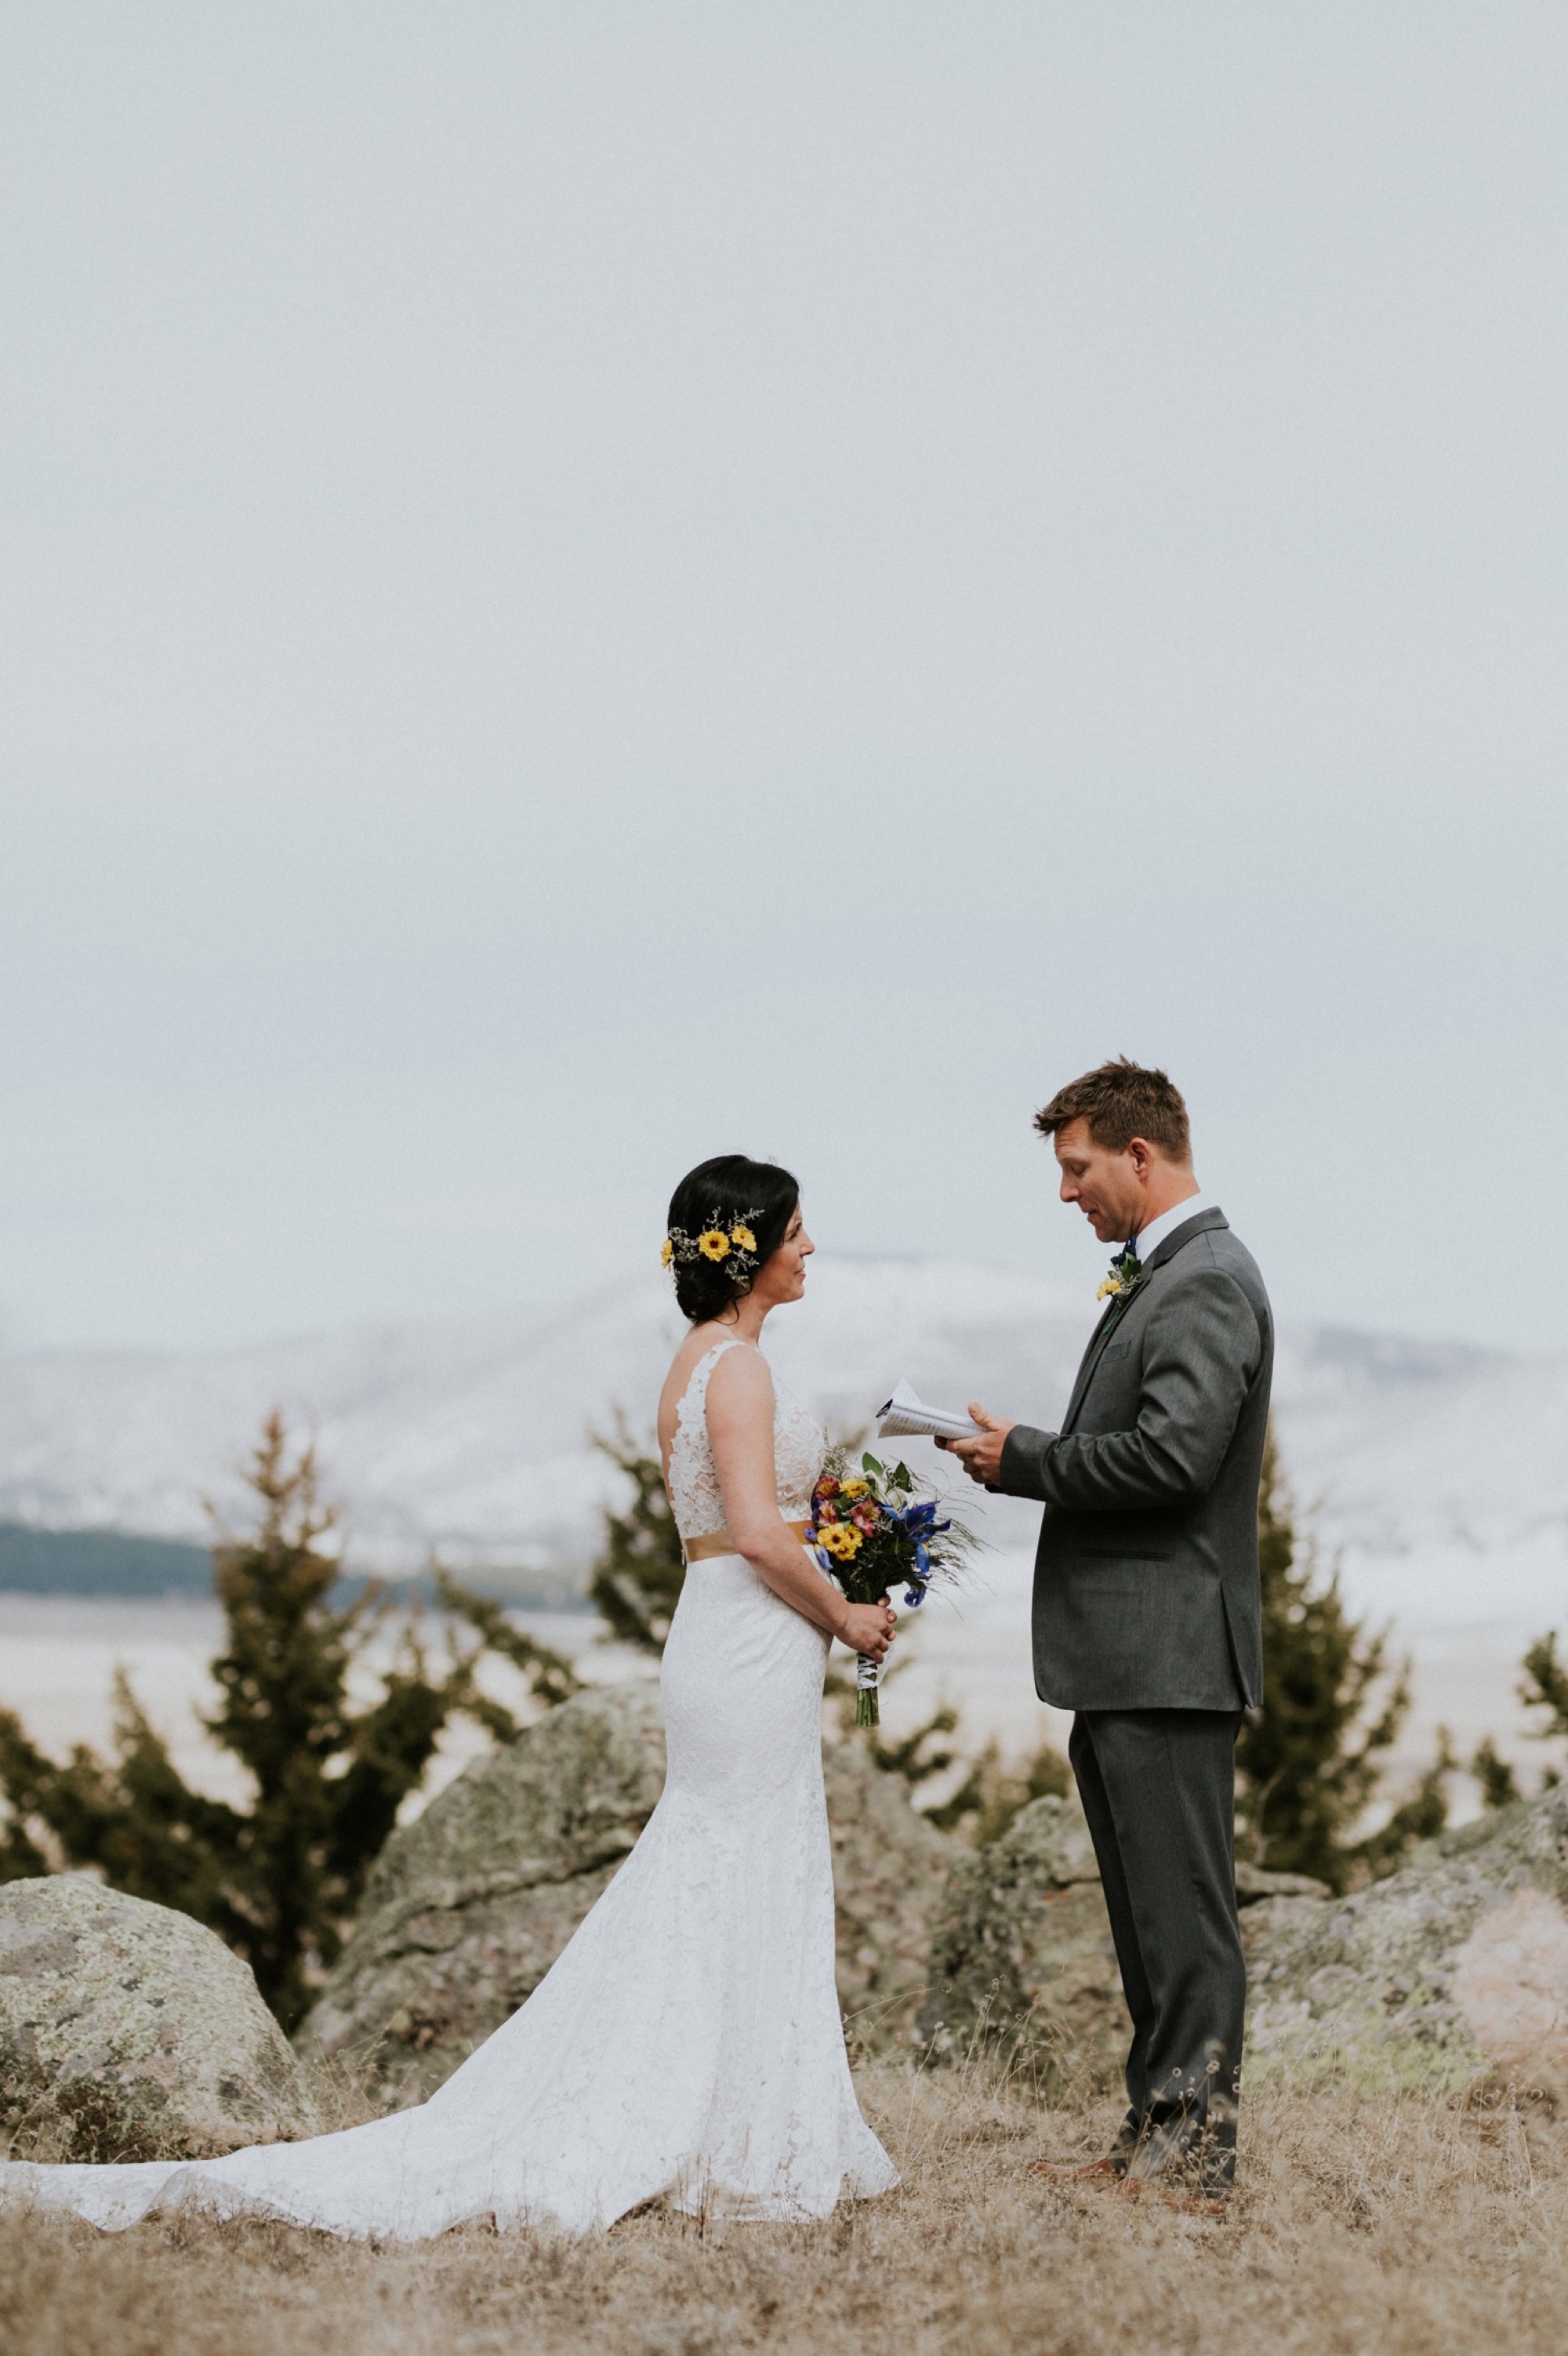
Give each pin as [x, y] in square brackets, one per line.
[740, 1427]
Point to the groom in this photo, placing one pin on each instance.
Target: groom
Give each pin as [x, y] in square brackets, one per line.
[1146, 1615]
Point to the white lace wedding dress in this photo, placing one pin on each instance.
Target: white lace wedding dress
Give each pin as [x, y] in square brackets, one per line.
[687, 2041]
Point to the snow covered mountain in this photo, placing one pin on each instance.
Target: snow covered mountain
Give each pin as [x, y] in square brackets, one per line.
[472, 1436]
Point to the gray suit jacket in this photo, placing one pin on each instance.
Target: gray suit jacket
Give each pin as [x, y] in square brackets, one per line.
[1146, 1574]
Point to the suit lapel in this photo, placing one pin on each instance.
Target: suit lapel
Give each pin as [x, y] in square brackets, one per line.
[1162, 1252]
[1089, 1360]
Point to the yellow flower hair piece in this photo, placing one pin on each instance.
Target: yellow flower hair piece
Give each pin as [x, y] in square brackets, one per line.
[727, 1242]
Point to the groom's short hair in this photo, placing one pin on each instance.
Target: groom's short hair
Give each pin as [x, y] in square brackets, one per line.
[1122, 1100]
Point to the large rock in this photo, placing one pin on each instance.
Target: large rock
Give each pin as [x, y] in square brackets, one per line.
[469, 1906]
[1454, 1970]
[1022, 1964]
[129, 2032]
[890, 1877]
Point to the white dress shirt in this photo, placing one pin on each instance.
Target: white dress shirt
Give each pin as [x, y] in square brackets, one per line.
[1149, 1238]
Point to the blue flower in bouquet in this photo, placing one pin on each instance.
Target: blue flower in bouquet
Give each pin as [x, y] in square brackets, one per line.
[920, 1527]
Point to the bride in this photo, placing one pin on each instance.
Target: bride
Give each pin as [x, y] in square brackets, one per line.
[687, 2041]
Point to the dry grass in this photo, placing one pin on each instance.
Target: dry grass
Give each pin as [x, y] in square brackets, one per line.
[1365, 2227]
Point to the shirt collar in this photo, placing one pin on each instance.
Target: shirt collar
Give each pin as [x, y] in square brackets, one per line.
[1152, 1235]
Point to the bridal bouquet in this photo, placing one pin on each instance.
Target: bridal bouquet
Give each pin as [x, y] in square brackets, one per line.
[872, 1531]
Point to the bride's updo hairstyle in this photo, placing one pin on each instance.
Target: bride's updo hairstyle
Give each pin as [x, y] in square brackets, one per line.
[732, 1201]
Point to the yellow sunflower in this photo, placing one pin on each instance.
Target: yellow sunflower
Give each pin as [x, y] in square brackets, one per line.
[854, 1489]
[713, 1245]
[841, 1539]
[666, 1252]
[743, 1239]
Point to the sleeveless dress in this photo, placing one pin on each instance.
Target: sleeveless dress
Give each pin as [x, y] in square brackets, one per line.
[687, 2040]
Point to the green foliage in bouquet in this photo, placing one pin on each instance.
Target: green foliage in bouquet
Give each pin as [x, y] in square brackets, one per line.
[279, 1878]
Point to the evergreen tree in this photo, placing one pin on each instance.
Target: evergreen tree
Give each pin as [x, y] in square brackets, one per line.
[991, 1793]
[1545, 1687]
[636, 1582]
[1499, 1784]
[280, 1878]
[1311, 1764]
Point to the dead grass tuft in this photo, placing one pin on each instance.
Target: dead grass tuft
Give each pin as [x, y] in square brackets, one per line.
[1366, 2225]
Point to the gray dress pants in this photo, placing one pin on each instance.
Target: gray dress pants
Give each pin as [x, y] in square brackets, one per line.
[1158, 1788]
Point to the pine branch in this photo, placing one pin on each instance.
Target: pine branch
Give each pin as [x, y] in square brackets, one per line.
[550, 1673]
[1499, 1784]
[637, 1580]
[1331, 1714]
[1546, 1687]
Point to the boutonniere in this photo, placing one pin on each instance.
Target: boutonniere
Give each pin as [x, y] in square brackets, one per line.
[1127, 1273]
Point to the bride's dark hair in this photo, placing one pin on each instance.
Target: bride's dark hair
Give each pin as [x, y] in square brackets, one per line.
[729, 1191]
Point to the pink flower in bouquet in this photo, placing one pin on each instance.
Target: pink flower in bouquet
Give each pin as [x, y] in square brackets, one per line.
[865, 1517]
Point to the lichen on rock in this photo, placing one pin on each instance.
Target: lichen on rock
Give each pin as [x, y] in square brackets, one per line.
[1452, 1971]
[890, 1876]
[1022, 1964]
[128, 2031]
[467, 1907]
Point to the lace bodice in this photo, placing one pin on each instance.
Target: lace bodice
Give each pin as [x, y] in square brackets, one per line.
[800, 1444]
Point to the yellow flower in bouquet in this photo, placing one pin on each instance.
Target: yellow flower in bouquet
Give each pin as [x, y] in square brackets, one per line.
[840, 1538]
[713, 1245]
[854, 1489]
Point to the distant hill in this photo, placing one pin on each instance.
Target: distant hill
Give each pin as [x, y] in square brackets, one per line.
[472, 1436]
[100, 1562]
[117, 1562]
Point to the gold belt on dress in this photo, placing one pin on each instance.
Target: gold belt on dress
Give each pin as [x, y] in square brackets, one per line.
[720, 1542]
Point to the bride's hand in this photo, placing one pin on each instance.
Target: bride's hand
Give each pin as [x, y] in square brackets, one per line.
[868, 1628]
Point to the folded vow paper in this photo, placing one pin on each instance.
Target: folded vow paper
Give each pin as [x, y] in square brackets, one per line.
[902, 1417]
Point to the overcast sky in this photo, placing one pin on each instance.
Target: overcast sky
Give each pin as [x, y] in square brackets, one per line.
[587, 586]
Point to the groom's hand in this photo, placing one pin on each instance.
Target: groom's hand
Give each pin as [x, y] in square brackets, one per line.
[981, 1458]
